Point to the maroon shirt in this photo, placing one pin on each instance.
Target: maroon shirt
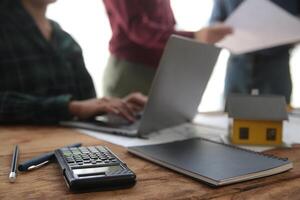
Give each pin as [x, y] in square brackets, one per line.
[141, 29]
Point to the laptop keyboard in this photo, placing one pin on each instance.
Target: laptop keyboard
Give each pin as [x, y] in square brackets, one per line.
[116, 121]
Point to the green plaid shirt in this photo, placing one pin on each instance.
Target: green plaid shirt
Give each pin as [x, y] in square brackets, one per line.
[38, 78]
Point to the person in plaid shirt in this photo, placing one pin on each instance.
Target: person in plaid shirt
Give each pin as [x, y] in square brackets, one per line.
[43, 78]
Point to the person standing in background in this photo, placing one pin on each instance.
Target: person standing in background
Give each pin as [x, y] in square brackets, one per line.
[266, 71]
[140, 30]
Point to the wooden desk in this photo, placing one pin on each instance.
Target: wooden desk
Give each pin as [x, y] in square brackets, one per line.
[153, 182]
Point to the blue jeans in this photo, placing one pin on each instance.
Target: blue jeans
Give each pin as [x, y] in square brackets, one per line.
[268, 74]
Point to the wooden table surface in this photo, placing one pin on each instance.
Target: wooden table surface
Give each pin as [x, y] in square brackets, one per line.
[153, 181]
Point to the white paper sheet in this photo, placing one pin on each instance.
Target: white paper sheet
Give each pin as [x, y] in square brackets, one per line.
[260, 24]
[210, 126]
[167, 135]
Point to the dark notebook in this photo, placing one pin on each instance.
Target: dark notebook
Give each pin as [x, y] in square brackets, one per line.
[214, 163]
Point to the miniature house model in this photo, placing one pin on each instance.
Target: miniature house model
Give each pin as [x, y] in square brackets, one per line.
[257, 120]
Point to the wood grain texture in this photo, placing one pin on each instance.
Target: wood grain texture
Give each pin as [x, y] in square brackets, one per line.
[153, 182]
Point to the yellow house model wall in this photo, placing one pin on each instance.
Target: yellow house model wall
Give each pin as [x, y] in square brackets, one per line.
[257, 132]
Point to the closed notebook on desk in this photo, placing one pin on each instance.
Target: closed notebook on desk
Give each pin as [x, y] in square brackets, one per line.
[214, 163]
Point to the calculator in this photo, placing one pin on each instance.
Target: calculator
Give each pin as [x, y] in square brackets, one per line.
[93, 168]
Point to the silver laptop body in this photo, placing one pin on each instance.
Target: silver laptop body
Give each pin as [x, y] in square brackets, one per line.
[177, 89]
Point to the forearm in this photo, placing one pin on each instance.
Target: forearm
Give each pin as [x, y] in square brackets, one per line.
[189, 34]
[22, 108]
[151, 35]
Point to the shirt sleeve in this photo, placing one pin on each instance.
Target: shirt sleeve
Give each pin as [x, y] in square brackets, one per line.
[218, 13]
[22, 108]
[139, 27]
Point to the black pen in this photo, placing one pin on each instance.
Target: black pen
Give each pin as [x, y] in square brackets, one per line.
[13, 170]
[40, 160]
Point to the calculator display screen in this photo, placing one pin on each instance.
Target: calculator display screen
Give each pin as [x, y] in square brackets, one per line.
[97, 170]
[114, 168]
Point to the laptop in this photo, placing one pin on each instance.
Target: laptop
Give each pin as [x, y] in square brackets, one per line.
[175, 94]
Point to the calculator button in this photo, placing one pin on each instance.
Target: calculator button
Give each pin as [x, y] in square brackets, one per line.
[76, 152]
[83, 149]
[67, 153]
[93, 149]
[77, 157]
[102, 149]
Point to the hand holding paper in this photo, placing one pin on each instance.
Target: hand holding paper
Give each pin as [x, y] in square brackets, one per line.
[260, 24]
